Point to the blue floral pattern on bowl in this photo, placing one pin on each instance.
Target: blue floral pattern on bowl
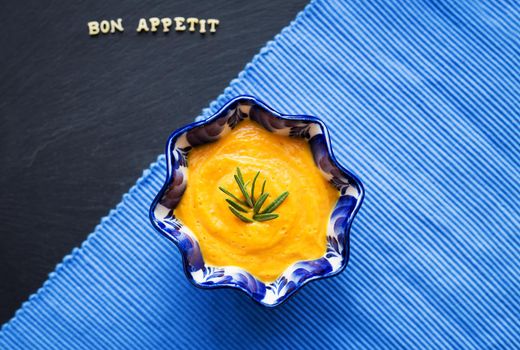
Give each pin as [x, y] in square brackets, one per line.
[223, 122]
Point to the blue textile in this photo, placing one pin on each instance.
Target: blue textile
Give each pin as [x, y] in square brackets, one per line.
[422, 99]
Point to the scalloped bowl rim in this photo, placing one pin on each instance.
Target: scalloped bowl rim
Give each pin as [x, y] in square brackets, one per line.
[220, 113]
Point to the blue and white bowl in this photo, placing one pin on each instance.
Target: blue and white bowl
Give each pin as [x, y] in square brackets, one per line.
[223, 122]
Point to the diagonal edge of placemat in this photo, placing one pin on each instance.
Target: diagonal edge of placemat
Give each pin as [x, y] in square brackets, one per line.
[75, 251]
[206, 112]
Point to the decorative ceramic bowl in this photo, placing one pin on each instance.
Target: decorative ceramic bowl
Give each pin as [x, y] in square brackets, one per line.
[224, 121]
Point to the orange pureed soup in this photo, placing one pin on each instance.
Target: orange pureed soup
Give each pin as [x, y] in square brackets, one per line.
[264, 248]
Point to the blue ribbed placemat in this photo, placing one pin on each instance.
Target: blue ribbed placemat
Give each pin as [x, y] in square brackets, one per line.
[423, 103]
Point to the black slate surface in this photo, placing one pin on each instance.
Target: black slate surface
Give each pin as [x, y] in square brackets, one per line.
[81, 117]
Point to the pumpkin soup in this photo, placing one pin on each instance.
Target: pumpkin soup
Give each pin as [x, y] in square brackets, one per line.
[262, 230]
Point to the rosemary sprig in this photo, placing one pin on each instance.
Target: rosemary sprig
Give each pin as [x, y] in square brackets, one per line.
[253, 186]
[240, 216]
[260, 202]
[276, 203]
[231, 195]
[244, 191]
[236, 206]
[239, 174]
[241, 207]
[264, 217]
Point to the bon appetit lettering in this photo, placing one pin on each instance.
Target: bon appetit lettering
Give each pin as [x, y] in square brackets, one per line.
[155, 24]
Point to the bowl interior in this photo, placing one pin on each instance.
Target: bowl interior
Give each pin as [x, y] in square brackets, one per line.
[212, 129]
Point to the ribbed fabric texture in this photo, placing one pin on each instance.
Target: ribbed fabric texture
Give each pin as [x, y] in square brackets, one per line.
[422, 99]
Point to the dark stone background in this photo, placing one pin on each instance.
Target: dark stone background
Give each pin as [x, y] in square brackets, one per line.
[81, 117]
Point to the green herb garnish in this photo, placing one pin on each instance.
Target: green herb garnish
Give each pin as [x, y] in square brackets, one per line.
[243, 189]
[253, 186]
[241, 207]
[231, 195]
[236, 206]
[264, 217]
[276, 203]
[260, 202]
[240, 216]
